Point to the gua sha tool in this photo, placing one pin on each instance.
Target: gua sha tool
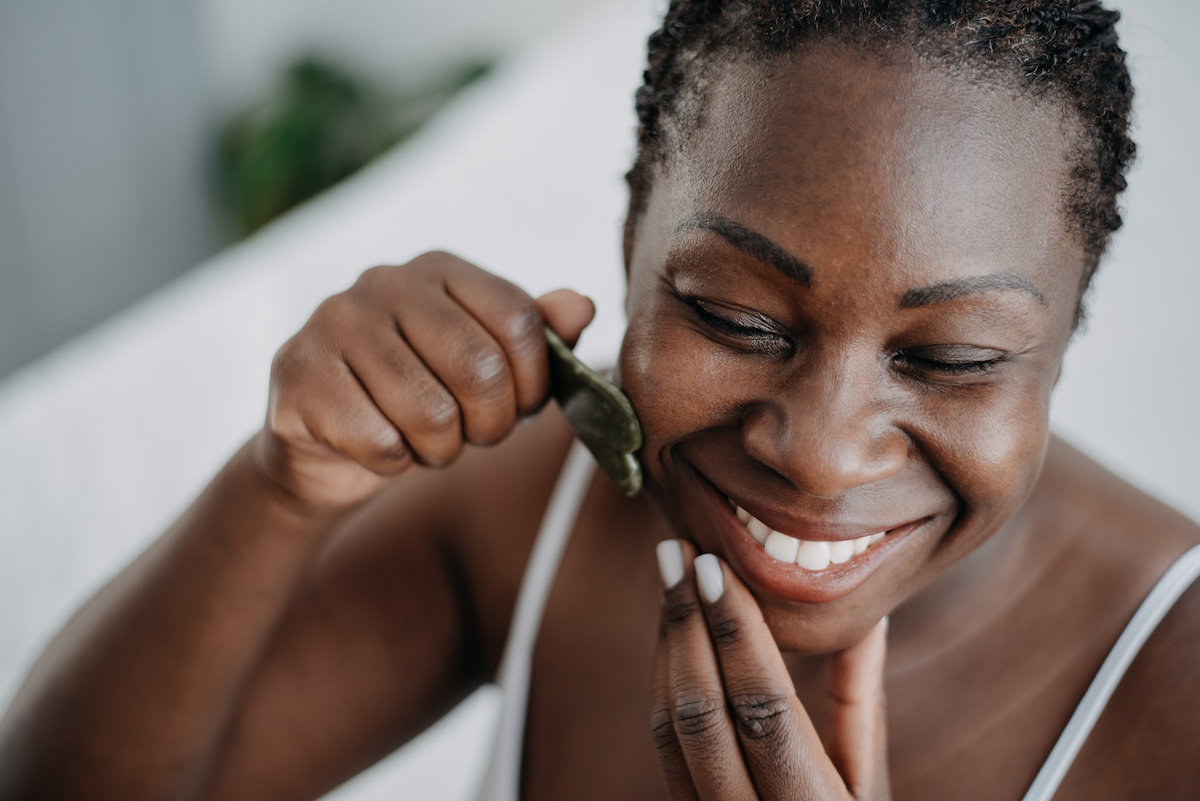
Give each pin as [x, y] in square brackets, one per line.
[600, 413]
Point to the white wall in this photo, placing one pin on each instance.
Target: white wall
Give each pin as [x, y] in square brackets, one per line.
[1130, 384]
[247, 42]
[107, 115]
[103, 179]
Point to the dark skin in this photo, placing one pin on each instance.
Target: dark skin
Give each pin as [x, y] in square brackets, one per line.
[351, 573]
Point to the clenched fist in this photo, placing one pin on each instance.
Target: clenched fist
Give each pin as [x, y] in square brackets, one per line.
[407, 366]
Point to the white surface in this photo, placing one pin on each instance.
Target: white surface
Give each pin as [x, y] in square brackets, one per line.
[248, 42]
[104, 442]
[104, 163]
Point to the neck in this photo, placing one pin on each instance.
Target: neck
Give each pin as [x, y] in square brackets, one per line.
[962, 603]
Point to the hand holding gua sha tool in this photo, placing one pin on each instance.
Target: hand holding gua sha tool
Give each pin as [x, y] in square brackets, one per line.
[600, 413]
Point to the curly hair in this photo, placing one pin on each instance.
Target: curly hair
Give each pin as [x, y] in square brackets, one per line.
[1066, 48]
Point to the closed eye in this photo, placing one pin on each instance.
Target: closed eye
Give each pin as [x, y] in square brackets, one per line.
[951, 360]
[751, 329]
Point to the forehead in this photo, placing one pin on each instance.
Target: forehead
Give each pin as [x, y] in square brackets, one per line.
[845, 155]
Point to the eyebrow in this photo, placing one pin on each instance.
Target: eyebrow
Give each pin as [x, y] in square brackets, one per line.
[958, 287]
[752, 243]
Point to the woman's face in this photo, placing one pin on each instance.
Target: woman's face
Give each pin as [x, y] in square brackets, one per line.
[849, 298]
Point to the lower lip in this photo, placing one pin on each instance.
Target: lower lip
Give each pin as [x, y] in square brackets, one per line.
[793, 582]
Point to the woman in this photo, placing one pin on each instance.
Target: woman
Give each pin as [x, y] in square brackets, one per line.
[858, 243]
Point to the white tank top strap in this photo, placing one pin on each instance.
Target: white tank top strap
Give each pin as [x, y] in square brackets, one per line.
[502, 781]
[1166, 592]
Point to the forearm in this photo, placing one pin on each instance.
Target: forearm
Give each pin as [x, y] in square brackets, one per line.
[132, 697]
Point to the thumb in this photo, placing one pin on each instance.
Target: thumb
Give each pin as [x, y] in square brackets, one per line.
[857, 715]
[567, 312]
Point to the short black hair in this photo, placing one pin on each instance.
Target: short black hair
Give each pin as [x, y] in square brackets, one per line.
[1057, 46]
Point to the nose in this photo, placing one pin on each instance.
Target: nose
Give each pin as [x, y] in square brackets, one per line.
[827, 430]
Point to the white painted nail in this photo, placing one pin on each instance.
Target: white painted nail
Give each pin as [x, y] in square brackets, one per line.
[709, 576]
[670, 562]
[883, 621]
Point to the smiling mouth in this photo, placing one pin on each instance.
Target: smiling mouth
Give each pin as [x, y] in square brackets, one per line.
[832, 564]
[814, 555]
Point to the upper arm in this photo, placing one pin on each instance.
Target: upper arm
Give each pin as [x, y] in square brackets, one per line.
[372, 648]
[401, 616]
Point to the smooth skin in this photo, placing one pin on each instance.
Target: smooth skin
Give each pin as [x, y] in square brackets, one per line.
[351, 573]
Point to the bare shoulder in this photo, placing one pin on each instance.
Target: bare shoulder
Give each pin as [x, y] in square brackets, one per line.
[1087, 496]
[1147, 742]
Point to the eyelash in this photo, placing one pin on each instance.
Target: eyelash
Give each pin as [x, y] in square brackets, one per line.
[758, 338]
[769, 341]
[950, 368]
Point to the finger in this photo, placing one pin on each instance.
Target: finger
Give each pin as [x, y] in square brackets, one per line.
[468, 361]
[662, 726]
[514, 320]
[317, 396]
[412, 397]
[567, 312]
[697, 699]
[858, 715]
[784, 753]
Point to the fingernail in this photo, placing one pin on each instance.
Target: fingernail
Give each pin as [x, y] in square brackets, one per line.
[883, 621]
[708, 574]
[670, 562]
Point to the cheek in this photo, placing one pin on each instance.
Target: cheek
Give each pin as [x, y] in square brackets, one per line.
[989, 451]
[676, 387]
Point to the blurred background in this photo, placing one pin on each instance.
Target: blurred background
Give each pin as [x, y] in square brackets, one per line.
[171, 212]
[139, 136]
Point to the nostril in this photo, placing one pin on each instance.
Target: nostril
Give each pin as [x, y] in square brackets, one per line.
[822, 458]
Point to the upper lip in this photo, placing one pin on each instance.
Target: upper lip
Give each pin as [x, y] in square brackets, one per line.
[816, 531]
[810, 529]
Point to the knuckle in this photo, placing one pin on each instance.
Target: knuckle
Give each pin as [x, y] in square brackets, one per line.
[370, 280]
[682, 611]
[662, 728]
[434, 262]
[441, 416]
[487, 373]
[439, 412]
[523, 328]
[697, 716]
[334, 311]
[292, 362]
[761, 716]
[285, 421]
[388, 446]
[725, 631]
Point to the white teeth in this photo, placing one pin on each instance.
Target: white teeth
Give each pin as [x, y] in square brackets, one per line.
[782, 547]
[841, 551]
[758, 530]
[808, 555]
[813, 555]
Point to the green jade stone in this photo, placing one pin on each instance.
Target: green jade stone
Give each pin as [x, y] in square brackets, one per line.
[600, 413]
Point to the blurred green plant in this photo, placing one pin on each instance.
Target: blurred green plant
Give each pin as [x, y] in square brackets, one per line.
[321, 125]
